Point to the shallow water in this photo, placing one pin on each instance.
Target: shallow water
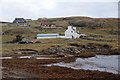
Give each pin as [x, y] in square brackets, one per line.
[5, 57]
[25, 57]
[100, 63]
[46, 58]
[40, 57]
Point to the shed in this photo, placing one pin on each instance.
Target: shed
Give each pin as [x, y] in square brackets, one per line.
[48, 24]
[19, 20]
[42, 36]
[28, 19]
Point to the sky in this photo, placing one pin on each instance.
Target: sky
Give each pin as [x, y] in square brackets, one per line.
[34, 9]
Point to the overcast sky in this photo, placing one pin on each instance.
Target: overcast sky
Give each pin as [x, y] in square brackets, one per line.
[34, 9]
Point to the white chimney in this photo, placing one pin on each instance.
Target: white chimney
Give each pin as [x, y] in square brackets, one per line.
[74, 28]
[69, 27]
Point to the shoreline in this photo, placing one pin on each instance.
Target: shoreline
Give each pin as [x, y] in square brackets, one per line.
[33, 66]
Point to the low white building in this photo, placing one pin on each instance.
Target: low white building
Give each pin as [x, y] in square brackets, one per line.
[71, 32]
[43, 36]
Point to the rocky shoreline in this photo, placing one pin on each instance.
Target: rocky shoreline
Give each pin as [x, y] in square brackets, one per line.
[78, 49]
[33, 62]
[90, 49]
[35, 68]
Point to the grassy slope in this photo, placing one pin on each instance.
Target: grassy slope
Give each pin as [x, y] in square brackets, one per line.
[28, 32]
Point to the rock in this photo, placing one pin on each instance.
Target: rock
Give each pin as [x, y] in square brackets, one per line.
[74, 44]
[85, 55]
[59, 49]
[4, 68]
[104, 53]
[60, 54]
[45, 51]
[27, 50]
[114, 52]
[106, 46]
[19, 52]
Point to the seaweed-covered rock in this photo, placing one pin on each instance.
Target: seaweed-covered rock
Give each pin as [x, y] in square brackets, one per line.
[85, 55]
[28, 50]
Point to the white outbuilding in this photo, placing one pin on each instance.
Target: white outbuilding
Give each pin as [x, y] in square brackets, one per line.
[43, 36]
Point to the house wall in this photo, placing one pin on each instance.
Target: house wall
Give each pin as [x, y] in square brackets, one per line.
[18, 21]
[44, 37]
[71, 33]
[47, 25]
[64, 37]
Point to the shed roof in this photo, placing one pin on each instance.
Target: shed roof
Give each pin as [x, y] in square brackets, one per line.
[53, 34]
[28, 19]
[19, 18]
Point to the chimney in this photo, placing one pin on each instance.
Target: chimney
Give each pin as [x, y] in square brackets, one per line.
[74, 28]
[69, 27]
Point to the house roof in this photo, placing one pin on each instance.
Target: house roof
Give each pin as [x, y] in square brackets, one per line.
[75, 30]
[28, 19]
[19, 18]
[53, 34]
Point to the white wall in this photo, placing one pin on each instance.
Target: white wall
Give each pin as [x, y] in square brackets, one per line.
[64, 37]
[70, 32]
[47, 37]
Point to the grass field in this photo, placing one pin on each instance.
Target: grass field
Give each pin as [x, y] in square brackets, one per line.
[49, 43]
[31, 32]
[99, 41]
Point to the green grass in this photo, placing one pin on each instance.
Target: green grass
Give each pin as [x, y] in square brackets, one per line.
[7, 38]
[48, 43]
[31, 32]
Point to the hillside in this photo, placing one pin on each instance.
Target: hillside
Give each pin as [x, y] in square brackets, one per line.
[80, 57]
[98, 30]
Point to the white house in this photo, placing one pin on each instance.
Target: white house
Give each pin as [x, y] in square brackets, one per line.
[71, 32]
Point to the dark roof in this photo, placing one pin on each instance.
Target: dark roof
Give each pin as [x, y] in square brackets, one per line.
[19, 18]
[28, 19]
[39, 18]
